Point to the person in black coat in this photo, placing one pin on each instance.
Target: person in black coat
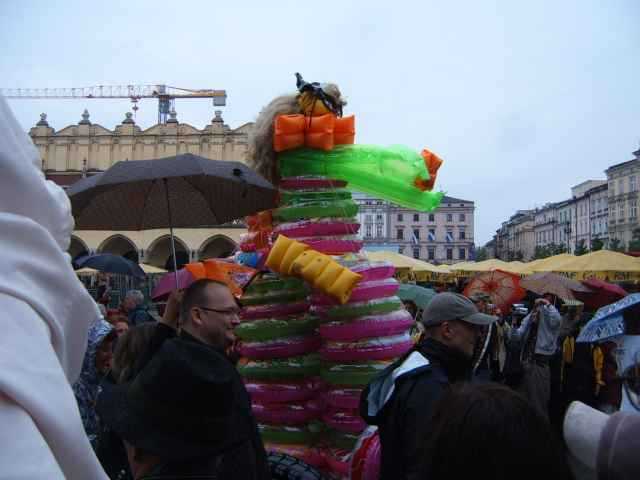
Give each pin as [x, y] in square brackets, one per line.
[187, 412]
[400, 399]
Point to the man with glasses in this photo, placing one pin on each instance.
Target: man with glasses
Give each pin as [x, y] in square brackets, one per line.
[400, 399]
[208, 314]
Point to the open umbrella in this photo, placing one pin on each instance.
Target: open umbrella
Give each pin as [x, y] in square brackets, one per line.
[107, 262]
[608, 322]
[421, 296]
[558, 285]
[602, 293]
[503, 288]
[181, 191]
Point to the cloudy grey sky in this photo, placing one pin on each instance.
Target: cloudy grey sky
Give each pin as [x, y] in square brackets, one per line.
[521, 99]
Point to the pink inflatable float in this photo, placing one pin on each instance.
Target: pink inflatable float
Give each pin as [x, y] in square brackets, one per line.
[379, 348]
[374, 270]
[276, 392]
[368, 326]
[287, 413]
[364, 291]
[306, 228]
[285, 347]
[344, 398]
[344, 420]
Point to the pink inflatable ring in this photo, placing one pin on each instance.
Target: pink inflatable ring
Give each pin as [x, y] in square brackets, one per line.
[379, 348]
[366, 327]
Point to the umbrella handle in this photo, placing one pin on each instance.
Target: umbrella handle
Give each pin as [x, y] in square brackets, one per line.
[173, 241]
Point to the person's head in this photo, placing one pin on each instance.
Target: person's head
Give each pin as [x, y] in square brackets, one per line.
[453, 319]
[121, 326]
[132, 299]
[104, 353]
[410, 307]
[549, 297]
[178, 407]
[209, 312]
[129, 347]
[481, 301]
[491, 429]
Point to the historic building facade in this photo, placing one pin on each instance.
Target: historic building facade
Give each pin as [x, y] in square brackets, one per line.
[445, 235]
[87, 148]
[623, 181]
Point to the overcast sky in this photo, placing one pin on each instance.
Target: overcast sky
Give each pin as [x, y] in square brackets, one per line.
[521, 99]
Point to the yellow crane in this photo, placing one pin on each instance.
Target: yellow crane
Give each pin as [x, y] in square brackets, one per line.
[165, 94]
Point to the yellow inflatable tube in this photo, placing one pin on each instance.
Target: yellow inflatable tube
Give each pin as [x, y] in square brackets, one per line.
[289, 257]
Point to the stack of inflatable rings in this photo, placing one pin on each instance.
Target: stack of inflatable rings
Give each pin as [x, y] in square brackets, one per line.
[279, 342]
[360, 338]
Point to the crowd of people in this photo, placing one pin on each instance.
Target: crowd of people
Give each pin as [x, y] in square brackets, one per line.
[91, 394]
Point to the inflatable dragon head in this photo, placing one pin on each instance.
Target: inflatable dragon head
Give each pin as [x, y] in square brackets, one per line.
[312, 99]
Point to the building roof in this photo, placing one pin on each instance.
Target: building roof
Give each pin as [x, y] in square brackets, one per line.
[621, 165]
[447, 199]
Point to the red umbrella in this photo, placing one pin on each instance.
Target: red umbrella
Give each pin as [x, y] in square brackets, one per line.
[603, 293]
[503, 288]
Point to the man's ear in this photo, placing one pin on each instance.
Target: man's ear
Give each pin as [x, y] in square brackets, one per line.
[195, 316]
[446, 331]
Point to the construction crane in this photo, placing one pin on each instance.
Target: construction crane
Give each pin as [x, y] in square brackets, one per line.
[165, 94]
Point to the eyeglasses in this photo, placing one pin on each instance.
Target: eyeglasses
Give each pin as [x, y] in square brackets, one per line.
[229, 313]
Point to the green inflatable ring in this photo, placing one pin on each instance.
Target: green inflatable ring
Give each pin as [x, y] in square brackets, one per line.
[281, 369]
[271, 283]
[282, 296]
[342, 440]
[353, 375]
[307, 434]
[299, 197]
[274, 328]
[361, 309]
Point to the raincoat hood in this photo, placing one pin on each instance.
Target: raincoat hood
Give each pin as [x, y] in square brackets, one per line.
[46, 312]
[86, 388]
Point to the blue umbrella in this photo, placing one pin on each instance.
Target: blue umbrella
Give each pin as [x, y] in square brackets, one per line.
[608, 322]
[107, 262]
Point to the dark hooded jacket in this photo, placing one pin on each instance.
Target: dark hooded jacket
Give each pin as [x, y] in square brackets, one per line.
[400, 401]
[247, 461]
[86, 389]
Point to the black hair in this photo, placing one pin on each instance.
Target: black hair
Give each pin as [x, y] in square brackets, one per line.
[490, 429]
[195, 295]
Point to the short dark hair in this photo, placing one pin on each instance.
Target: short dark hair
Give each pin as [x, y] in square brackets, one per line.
[495, 430]
[195, 296]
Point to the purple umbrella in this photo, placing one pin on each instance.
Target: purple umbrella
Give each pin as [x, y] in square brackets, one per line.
[167, 284]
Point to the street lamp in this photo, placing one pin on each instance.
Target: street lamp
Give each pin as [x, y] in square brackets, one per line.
[567, 231]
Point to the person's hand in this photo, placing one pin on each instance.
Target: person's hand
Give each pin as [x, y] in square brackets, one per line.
[542, 301]
[172, 308]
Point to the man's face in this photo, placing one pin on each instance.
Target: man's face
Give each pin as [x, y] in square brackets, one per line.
[121, 328]
[104, 356]
[129, 304]
[217, 317]
[463, 336]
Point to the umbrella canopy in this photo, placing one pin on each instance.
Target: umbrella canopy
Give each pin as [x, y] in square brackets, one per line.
[550, 263]
[558, 285]
[419, 295]
[503, 288]
[608, 322]
[396, 259]
[107, 262]
[603, 264]
[602, 293]
[167, 284]
[133, 195]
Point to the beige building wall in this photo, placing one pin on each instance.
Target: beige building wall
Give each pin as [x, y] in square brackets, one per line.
[85, 148]
[623, 199]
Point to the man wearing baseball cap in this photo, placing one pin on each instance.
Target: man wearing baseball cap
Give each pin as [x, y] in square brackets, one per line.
[400, 399]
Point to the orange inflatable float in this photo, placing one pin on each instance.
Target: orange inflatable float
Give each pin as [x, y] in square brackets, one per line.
[321, 132]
